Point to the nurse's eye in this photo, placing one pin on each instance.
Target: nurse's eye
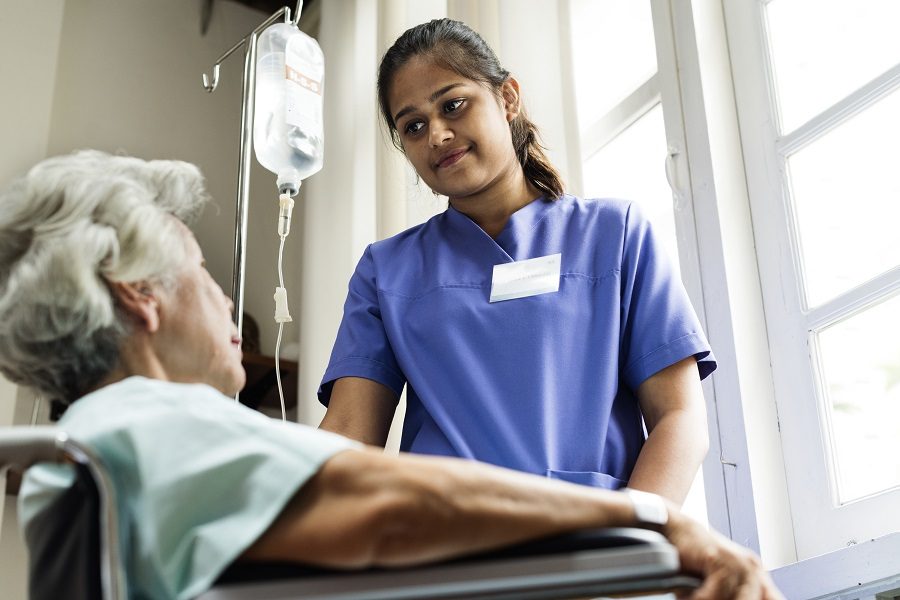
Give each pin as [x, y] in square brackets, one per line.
[454, 105]
[413, 127]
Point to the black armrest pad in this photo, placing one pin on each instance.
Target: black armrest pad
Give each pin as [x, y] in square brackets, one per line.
[585, 539]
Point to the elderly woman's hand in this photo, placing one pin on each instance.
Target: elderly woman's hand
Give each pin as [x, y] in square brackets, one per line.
[728, 570]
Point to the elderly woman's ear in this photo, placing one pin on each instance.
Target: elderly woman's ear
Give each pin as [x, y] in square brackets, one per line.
[139, 301]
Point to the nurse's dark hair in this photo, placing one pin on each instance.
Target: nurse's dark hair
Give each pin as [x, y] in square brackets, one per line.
[455, 46]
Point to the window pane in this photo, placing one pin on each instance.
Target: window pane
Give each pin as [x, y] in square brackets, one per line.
[632, 167]
[824, 49]
[861, 366]
[613, 53]
[846, 192]
[695, 504]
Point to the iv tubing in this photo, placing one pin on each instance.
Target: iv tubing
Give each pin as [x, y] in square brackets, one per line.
[280, 330]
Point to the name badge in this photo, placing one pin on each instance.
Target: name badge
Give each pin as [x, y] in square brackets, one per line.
[526, 278]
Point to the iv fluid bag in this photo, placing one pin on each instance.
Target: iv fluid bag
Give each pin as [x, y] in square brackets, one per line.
[288, 132]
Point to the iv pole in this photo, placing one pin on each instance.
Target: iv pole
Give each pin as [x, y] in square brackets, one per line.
[243, 183]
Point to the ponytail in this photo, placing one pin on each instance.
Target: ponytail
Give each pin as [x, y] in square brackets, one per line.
[538, 169]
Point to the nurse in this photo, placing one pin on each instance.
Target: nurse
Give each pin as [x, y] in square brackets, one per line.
[532, 329]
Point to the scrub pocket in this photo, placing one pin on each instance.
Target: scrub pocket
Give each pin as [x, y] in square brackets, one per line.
[589, 478]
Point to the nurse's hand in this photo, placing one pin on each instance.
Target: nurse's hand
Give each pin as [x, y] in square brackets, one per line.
[728, 570]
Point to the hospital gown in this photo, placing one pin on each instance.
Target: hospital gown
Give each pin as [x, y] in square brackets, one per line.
[198, 477]
[544, 384]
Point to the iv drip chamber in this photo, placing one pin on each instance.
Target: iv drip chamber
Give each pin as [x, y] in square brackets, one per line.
[288, 128]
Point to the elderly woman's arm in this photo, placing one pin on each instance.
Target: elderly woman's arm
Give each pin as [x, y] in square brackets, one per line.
[367, 509]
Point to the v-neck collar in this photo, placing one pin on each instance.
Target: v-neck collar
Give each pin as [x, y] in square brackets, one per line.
[470, 233]
[517, 229]
[515, 234]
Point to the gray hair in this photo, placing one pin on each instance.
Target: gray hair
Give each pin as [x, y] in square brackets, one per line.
[68, 228]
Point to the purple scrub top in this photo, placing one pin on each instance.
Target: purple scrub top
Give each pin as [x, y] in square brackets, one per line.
[543, 384]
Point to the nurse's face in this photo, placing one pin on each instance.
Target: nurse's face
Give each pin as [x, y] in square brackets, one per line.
[197, 340]
[455, 131]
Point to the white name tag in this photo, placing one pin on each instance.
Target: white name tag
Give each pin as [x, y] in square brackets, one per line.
[526, 278]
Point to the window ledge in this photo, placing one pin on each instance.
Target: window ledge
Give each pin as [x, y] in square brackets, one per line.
[860, 571]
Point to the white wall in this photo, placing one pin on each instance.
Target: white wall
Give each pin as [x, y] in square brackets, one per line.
[129, 79]
[29, 46]
[13, 556]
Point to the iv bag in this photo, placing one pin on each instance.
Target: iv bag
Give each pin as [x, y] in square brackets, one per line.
[288, 129]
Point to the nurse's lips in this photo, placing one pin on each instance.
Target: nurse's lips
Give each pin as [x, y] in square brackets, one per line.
[451, 157]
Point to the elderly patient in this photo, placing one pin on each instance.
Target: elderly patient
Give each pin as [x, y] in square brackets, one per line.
[105, 304]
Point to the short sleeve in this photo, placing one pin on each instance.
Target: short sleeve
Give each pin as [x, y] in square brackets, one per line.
[660, 327]
[201, 479]
[362, 347]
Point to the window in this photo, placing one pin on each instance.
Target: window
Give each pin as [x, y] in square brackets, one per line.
[818, 98]
[619, 107]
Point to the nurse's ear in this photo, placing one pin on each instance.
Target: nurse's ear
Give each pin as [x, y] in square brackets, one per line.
[512, 101]
[139, 301]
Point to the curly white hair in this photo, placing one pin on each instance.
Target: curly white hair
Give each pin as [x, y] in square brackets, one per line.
[68, 228]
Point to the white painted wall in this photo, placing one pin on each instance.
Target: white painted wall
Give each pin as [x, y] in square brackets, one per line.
[13, 556]
[29, 47]
[129, 79]
[7, 410]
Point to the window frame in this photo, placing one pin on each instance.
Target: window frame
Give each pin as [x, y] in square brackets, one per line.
[792, 325]
[746, 480]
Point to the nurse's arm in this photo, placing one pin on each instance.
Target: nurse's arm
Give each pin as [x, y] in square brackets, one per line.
[365, 509]
[360, 409]
[675, 413]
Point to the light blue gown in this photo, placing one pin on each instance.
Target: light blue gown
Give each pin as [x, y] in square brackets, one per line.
[198, 477]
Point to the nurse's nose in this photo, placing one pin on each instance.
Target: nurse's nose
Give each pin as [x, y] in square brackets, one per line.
[439, 133]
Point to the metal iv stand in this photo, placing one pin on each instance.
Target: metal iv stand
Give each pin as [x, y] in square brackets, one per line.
[243, 183]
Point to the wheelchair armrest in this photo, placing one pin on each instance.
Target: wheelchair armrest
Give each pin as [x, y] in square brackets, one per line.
[585, 539]
[584, 563]
[24, 446]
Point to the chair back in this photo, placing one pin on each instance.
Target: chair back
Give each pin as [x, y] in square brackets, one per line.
[73, 544]
[64, 544]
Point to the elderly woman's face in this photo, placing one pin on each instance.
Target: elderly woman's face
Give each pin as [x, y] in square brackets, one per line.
[198, 342]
